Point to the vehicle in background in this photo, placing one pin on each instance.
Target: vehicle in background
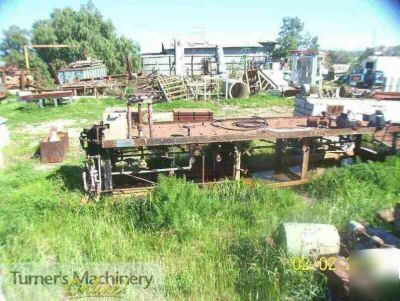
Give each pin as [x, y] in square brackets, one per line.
[381, 72]
[364, 79]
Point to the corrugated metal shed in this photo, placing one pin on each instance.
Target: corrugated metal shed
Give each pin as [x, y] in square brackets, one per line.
[196, 53]
[82, 70]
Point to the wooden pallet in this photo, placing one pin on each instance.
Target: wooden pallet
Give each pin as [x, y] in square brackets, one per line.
[174, 87]
[258, 81]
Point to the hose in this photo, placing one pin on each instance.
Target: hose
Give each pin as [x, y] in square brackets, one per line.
[243, 125]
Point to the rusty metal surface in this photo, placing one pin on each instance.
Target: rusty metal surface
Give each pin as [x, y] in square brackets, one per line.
[387, 136]
[190, 115]
[14, 78]
[54, 152]
[334, 110]
[338, 279]
[47, 95]
[168, 133]
[380, 95]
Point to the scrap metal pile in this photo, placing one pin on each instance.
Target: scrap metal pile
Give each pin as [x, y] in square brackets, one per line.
[167, 88]
[12, 77]
[109, 86]
[89, 77]
[127, 150]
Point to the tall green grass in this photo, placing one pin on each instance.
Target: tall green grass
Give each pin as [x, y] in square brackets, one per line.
[19, 113]
[213, 243]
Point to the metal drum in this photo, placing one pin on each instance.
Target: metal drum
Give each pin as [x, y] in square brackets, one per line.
[300, 239]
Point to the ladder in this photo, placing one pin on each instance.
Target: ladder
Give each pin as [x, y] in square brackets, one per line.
[174, 87]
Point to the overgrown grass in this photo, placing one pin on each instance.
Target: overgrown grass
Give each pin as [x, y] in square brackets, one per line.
[212, 244]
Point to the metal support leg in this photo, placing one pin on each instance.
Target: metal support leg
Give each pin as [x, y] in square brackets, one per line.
[357, 145]
[278, 154]
[107, 173]
[41, 105]
[306, 158]
[203, 167]
[55, 102]
[237, 163]
[395, 138]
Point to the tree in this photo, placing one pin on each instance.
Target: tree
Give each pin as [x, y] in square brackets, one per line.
[14, 40]
[309, 42]
[12, 52]
[341, 57]
[291, 37]
[94, 36]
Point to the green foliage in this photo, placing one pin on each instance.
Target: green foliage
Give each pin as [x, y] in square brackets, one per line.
[20, 113]
[356, 192]
[291, 37]
[175, 206]
[12, 52]
[341, 57]
[14, 40]
[86, 28]
[310, 42]
[266, 273]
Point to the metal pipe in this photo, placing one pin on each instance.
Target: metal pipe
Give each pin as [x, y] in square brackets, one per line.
[140, 120]
[154, 170]
[235, 89]
[203, 167]
[129, 119]
[150, 118]
[236, 165]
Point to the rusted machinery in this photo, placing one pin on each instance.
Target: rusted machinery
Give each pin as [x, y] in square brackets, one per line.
[13, 78]
[54, 146]
[126, 151]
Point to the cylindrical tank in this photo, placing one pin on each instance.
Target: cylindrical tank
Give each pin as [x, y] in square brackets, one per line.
[235, 89]
[301, 239]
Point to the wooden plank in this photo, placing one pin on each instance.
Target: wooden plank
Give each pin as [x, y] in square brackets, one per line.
[47, 95]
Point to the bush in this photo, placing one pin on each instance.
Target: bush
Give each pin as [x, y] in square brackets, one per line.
[175, 205]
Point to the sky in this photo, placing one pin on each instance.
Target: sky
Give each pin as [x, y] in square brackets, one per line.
[339, 24]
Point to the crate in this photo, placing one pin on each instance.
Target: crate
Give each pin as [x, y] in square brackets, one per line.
[189, 115]
[54, 151]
